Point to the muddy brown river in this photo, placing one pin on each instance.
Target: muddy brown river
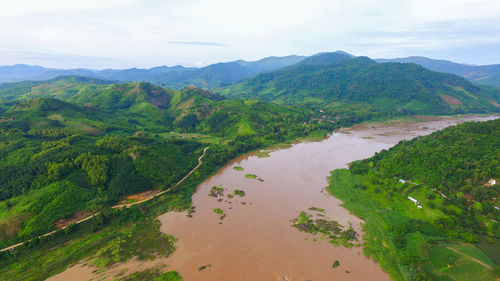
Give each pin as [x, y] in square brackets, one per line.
[255, 241]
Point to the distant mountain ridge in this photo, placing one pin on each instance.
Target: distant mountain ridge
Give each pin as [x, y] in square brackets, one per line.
[212, 76]
[224, 74]
[480, 74]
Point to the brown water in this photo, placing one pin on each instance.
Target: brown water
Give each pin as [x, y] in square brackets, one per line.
[255, 240]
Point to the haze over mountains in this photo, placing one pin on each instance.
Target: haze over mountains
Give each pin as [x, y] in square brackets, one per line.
[334, 81]
[225, 73]
[211, 76]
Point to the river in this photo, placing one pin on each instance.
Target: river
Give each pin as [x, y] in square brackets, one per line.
[255, 241]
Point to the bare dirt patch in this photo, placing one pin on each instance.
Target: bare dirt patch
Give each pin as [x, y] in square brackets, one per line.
[10, 226]
[494, 103]
[78, 215]
[141, 196]
[451, 100]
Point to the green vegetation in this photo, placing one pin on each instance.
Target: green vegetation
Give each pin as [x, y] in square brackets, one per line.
[203, 267]
[262, 154]
[73, 146]
[458, 161]
[70, 147]
[239, 193]
[480, 74]
[331, 230]
[316, 209]
[69, 101]
[112, 237]
[220, 212]
[238, 168]
[360, 87]
[153, 275]
[216, 191]
[58, 176]
[103, 142]
[436, 241]
[335, 264]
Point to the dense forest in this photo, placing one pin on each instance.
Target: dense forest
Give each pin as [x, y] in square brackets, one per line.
[462, 158]
[448, 174]
[334, 80]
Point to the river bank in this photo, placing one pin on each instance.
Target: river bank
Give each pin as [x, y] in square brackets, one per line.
[255, 241]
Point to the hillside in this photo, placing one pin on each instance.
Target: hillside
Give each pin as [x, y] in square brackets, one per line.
[448, 174]
[149, 106]
[42, 113]
[386, 87]
[480, 74]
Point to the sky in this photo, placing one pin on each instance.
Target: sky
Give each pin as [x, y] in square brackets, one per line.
[131, 33]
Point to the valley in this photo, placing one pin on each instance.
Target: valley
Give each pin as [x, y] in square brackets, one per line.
[255, 239]
[125, 180]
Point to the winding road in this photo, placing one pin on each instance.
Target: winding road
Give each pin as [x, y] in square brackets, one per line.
[118, 206]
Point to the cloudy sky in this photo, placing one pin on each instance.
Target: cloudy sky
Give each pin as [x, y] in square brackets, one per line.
[133, 33]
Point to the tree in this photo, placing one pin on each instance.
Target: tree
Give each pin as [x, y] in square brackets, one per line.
[96, 167]
[478, 207]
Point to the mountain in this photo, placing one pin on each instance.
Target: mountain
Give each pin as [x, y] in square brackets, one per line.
[136, 74]
[326, 58]
[480, 74]
[177, 77]
[19, 72]
[334, 80]
[271, 63]
[148, 106]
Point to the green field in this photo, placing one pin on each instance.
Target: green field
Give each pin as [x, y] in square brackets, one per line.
[424, 245]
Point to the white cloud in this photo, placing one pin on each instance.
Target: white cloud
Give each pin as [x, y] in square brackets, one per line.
[148, 33]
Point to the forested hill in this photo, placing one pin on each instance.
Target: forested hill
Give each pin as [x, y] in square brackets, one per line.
[431, 202]
[480, 74]
[146, 106]
[458, 160]
[388, 87]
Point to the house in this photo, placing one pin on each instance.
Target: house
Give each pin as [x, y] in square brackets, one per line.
[415, 201]
[491, 182]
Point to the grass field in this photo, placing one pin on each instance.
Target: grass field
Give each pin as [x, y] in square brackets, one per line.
[459, 261]
[384, 208]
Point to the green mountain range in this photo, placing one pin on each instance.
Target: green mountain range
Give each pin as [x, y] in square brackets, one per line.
[332, 80]
[176, 77]
[144, 105]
